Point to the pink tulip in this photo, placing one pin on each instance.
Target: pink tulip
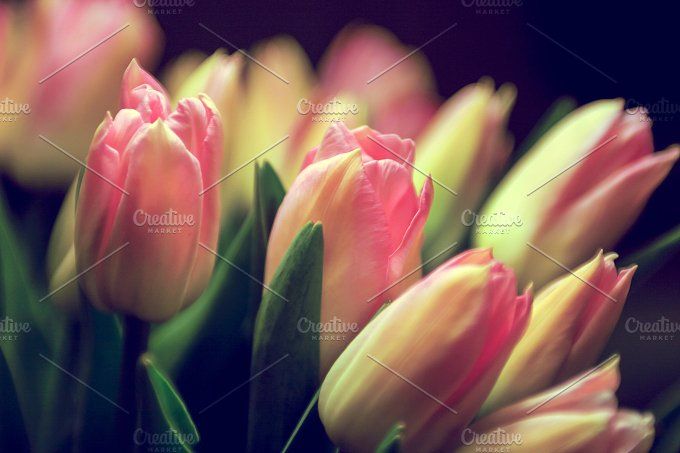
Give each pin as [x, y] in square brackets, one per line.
[41, 43]
[579, 415]
[428, 360]
[401, 99]
[577, 190]
[358, 184]
[570, 325]
[148, 168]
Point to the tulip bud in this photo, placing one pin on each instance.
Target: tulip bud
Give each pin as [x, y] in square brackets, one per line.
[578, 415]
[372, 219]
[63, 97]
[428, 359]
[463, 147]
[145, 204]
[570, 324]
[577, 190]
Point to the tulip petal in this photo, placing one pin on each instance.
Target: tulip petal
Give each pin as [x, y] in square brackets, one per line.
[197, 123]
[155, 156]
[535, 362]
[337, 193]
[101, 188]
[593, 389]
[404, 263]
[142, 92]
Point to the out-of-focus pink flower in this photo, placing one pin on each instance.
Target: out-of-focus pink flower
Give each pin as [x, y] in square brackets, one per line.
[361, 60]
[149, 167]
[428, 359]
[41, 67]
[372, 223]
[579, 415]
[282, 97]
[577, 190]
[570, 324]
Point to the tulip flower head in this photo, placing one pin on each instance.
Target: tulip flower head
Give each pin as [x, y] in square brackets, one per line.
[428, 359]
[577, 415]
[145, 205]
[358, 184]
[577, 190]
[463, 147]
[64, 93]
[570, 324]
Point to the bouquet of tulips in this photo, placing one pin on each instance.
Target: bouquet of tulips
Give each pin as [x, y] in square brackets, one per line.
[256, 257]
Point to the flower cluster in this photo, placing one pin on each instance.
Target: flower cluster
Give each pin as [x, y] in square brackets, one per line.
[413, 339]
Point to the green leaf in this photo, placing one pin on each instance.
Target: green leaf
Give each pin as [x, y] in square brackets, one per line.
[173, 409]
[666, 410]
[12, 429]
[558, 110]
[285, 360]
[40, 326]
[652, 256]
[391, 443]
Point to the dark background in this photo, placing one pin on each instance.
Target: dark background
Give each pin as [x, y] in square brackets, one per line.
[630, 51]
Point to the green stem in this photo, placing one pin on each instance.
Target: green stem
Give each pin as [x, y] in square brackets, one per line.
[84, 353]
[130, 392]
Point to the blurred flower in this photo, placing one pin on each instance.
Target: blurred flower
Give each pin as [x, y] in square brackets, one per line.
[570, 324]
[281, 87]
[577, 190]
[361, 60]
[463, 147]
[267, 114]
[61, 255]
[428, 359]
[372, 223]
[579, 415]
[64, 95]
[142, 211]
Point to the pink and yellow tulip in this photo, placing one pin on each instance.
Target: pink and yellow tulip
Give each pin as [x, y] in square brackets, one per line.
[577, 190]
[578, 415]
[464, 147]
[372, 218]
[428, 360]
[570, 324]
[148, 170]
[66, 94]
